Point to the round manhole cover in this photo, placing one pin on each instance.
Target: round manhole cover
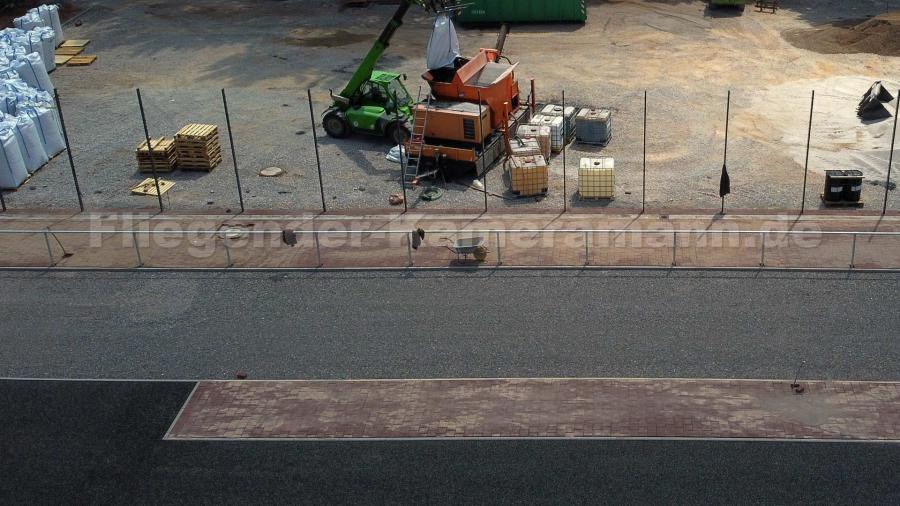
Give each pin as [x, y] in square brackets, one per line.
[271, 172]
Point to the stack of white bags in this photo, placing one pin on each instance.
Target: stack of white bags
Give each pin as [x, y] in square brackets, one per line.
[30, 132]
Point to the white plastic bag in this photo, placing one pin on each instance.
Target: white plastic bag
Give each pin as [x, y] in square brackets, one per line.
[443, 47]
[31, 69]
[12, 167]
[47, 123]
[394, 154]
[30, 143]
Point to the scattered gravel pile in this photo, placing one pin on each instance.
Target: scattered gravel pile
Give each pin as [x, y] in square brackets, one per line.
[878, 35]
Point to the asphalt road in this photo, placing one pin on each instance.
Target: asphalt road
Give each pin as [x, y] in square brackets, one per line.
[440, 324]
[100, 443]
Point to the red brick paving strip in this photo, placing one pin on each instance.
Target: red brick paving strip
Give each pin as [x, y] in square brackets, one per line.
[541, 408]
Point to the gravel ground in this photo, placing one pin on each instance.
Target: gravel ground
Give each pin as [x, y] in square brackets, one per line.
[268, 53]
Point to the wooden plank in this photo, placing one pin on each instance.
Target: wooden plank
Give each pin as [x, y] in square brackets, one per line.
[69, 51]
[61, 59]
[75, 43]
[80, 61]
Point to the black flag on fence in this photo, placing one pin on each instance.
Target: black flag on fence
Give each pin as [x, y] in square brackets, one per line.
[724, 182]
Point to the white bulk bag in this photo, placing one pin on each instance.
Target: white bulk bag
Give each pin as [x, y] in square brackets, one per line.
[49, 14]
[48, 127]
[29, 21]
[31, 69]
[8, 34]
[443, 47]
[30, 143]
[7, 73]
[43, 40]
[12, 167]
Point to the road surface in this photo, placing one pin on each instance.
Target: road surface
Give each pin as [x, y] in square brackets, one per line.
[449, 324]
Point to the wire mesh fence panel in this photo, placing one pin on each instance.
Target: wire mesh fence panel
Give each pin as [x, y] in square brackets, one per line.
[715, 249]
[642, 248]
[98, 250]
[767, 146]
[877, 252]
[203, 172]
[625, 147]
[271, 130]
[183, 250]
[374, 249]
[24, 250]
[808, 250]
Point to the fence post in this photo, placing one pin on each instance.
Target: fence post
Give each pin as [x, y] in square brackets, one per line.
[480, 160]
[853, 253]
[565, 138]
[137, 248]
[2, 202]
[644, 170]
[674, 247]
[762, 258]
[497, 237]
[318, 249]
[62, 124]
[237, 176]
[312, 119]
[49, 250]
[887, 182]
[812, 103]
[409, 249]
[587, 258]
[150, 150]
[403, 163]
[228, 262]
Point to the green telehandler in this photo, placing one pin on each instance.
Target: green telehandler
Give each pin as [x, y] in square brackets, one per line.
[375, 102]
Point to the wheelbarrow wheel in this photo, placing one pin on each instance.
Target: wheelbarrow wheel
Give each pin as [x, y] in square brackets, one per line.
[480, 253]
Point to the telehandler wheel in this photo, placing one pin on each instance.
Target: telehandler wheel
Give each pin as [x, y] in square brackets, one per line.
[397, 133]
[335, 125]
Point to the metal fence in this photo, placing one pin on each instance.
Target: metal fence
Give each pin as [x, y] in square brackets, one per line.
[335, 175]
[317, 249]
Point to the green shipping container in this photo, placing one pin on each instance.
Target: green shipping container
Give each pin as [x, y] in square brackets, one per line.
[523, 11]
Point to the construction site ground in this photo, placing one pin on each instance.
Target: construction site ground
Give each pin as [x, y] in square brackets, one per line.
[268, 53]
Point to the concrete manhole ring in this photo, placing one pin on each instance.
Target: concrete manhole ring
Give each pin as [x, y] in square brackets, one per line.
[271, 172]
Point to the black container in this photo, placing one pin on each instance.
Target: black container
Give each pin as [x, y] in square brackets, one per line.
[834, 186]
[853, 181]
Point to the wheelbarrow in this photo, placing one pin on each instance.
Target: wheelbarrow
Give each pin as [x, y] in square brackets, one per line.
[469, 246]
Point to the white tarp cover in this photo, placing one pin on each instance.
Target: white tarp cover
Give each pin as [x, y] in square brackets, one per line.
[48, 127]
[443, 47]
[30, 143]
[32, 70]
[12, 166]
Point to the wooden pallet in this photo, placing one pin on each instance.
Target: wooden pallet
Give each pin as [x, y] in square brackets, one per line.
[68, 51]
[147, 187]
[165, 158]
[61, 59]
[81, 61]
[198, 147]
[75, 43]
[841, 203]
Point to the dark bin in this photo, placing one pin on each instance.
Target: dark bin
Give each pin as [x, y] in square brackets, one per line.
[834, 186]
[843, 185]
[853, 181]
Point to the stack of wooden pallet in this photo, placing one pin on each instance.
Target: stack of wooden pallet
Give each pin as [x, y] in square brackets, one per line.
[198, 147]
[165, 157]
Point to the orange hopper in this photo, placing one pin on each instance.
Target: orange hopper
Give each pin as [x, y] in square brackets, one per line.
[485, 76]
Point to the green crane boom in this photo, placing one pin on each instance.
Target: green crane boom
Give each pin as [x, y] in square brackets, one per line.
[364, 72]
